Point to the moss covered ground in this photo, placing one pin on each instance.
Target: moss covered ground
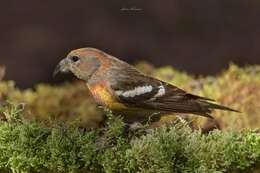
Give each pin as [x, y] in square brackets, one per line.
[49, 129]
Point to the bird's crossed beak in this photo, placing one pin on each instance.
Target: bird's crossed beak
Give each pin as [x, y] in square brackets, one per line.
[62, 67]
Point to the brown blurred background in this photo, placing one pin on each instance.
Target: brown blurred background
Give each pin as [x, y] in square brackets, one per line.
[200, 37]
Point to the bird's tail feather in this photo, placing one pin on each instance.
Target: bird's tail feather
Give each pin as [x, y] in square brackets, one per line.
[210, 105]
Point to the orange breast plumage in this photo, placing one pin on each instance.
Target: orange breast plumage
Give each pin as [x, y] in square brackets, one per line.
[104, 97]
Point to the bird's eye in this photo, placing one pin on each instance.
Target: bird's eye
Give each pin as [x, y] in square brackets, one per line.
[75, 58]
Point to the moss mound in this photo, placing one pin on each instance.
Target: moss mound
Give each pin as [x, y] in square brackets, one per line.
[69, 103]
[34, 147]
[40, 129]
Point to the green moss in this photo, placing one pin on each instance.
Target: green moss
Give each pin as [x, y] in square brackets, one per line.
[39, 129]
[34, 147]
[67, 103]
[238, 88]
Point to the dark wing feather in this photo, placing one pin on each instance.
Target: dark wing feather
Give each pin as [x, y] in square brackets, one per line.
[174, 99]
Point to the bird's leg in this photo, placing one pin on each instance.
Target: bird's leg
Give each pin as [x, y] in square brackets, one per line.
[182, 119]
[179, 119]
[135, 126]
[154, 117]
[185, 120]
[146, 126]
[134, 129]
[153, 121]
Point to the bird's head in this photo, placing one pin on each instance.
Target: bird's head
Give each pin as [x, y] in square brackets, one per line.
[81, 62]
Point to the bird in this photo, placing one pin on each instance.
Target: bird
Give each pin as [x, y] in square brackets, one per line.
[128, 92]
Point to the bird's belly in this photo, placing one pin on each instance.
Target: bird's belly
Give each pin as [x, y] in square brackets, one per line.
[131, 114]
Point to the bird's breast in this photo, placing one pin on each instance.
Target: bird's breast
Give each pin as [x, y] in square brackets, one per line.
[103, 96]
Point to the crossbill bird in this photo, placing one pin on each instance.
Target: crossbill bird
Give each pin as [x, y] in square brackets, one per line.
[125, 90]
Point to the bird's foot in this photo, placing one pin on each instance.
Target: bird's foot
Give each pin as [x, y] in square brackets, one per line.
[136, 126]
[182, 119]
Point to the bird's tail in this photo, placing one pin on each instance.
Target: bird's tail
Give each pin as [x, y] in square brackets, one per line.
[208, 106]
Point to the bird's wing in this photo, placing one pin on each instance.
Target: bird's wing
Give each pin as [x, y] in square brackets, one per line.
[146, 92]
